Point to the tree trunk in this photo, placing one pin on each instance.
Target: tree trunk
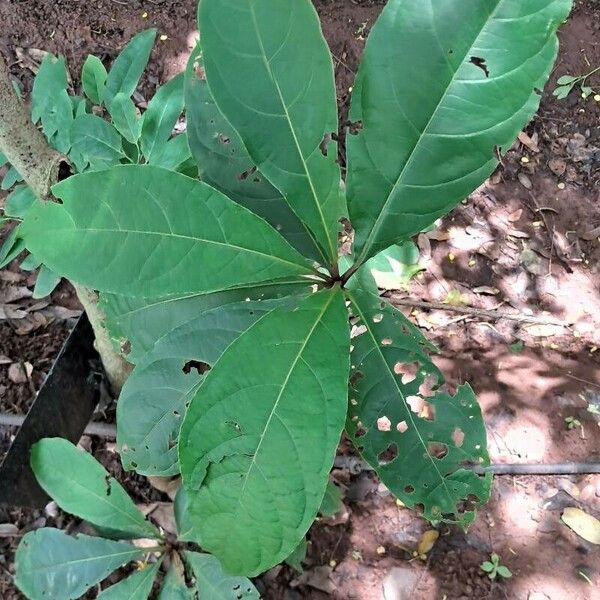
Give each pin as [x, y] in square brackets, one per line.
[41, 167]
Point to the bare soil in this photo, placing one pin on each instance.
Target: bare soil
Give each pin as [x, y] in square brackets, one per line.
[525, 242]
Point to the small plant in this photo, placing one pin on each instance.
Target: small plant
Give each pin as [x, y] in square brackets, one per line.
[494, 569]
[255, 345]
[52, 564]
[572, 423]
[566, 83]
[98, 130]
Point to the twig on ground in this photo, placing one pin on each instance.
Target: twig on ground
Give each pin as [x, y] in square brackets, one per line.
[105, 430]
[479, 312]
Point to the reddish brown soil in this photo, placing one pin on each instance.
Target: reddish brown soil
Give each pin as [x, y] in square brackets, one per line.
[531, 247]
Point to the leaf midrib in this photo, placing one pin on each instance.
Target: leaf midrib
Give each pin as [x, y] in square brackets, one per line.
[307, 270]
[383, 213]
[409, 412]
[332, 246]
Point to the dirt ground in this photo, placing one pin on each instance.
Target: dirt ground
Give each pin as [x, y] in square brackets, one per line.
[526, 242]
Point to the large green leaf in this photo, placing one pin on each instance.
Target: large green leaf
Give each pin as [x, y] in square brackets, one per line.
[271, 75]
[135, 587]
[154, 398]
[161, 116]
[419, 444]
[93, 78]
[125, 73]
[97, 141]
[224, 163]
[146, 231]
[259, 438]
[81, 486]
[137, 323]
[51, 564]
[213, 584]
[440, 87]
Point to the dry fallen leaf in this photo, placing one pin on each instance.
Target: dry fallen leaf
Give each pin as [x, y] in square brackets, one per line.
[487, 290]
[427, 541]
[582, 524]
[515, 216]
[20, 372]
[529, 142]
[525, 181]
[318, 578]
[542, 330]
[8, 530]
[168, 485]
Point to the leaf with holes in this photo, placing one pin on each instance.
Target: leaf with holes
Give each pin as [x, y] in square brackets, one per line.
[155, 397]
[214, 584]
[151, 232]
[135, 324]
[259, 438]
[224, 163]
[280, 100]
[420, 441]
[437, 92]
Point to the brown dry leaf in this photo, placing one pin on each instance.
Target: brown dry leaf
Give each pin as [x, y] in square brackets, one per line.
[30, 57]
[8, 530]
[438, 235]
[13, 293]
[524, 181]
[32, 322]
[341, 517]
[531, 143]
[516, 233]
[582, 524]
[4, 360]
[544, 330]
[558, 166]
[424, 246]
[20, 372]
[515, 216]
[8, 311]
[163, 515]
[168, 485]
[486, 290]
[427, 541]
[318, 578]
[592, 234]
[12, 277]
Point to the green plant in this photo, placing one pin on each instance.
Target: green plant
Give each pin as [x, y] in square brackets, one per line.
[254, 345]
[566, 83]
[51, 564]
[494, 569]
[98, 130]
[572, 423]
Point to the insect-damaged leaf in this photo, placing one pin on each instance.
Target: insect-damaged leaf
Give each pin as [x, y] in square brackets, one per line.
[420, 441]
[153, 401]
[224, 163]
[81, 486]
[271, 75]
[270, 413]
[51, 564]
[436, 92]
[145, 231]
[137, 323]
[213, 583]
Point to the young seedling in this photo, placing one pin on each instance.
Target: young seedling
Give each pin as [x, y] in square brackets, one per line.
[494, 569]
[228, 294]
[566, 83]
[52, 564]
[572, 423]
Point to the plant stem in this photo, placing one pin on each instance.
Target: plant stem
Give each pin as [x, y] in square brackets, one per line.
[22, 143]
[41, 167]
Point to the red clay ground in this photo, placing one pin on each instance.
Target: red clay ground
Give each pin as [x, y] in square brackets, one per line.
[522, 244]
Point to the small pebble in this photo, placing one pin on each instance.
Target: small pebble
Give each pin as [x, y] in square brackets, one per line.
[380, 550]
